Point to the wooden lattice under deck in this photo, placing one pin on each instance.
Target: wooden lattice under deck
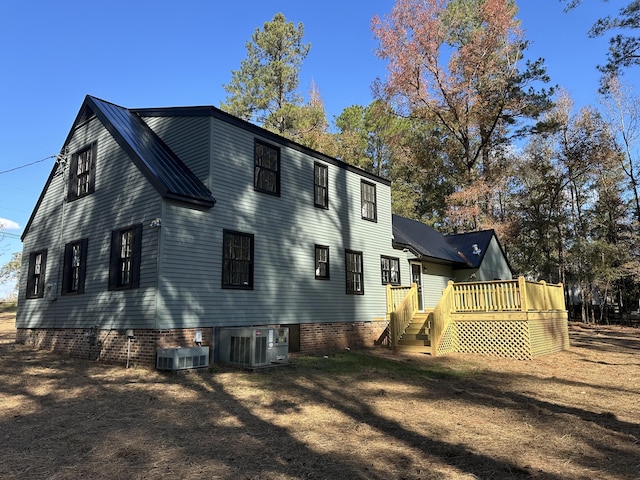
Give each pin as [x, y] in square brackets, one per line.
[495, 338]
[535, 334]
[449, 342]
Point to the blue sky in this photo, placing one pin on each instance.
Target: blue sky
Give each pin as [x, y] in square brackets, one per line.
[142, 53]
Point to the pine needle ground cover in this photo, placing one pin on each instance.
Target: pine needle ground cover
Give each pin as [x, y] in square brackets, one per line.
[351, 415]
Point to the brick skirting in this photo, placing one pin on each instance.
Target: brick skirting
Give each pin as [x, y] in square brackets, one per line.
[113, 346]
[110, 346]
[316, 338]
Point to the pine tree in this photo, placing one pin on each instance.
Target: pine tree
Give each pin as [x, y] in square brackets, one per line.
[267, 80]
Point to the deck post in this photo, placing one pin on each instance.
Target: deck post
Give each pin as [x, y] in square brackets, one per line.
[522, 286]
[561, 298]
[545, 295]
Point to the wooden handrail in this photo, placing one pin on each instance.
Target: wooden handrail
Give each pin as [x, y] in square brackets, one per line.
[441, 317]
[401, 316]
[395, 296]
[507, 296]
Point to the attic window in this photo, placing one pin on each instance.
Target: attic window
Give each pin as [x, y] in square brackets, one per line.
[321, 185]
[266, 175]
[82, 172]
[368, 201]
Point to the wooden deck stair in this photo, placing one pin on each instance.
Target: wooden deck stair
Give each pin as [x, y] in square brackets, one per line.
[416, 336]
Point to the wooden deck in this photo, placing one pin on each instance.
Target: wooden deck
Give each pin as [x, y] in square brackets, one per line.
[513, 318]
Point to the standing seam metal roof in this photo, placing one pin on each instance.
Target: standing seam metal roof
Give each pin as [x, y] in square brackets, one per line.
[424, 240]
[464, 242]
[169, 175]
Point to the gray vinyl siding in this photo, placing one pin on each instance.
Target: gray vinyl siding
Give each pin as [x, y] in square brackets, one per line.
[181, 268]
[188, 137]
[434, 282]
[39, 311]
[122, 198]
[285, 230]
[494, 266]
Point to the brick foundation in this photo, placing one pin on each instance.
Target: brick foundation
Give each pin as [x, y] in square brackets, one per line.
[316, 338]
[110, 346]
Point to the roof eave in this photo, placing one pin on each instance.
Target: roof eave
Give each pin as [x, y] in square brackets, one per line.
[190, 200]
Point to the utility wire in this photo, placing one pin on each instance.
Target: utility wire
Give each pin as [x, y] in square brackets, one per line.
[28, 164]
[10, 235]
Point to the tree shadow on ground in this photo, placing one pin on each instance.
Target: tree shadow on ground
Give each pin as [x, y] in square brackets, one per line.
[70, 418]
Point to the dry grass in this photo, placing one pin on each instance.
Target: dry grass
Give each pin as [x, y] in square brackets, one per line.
[572, 415]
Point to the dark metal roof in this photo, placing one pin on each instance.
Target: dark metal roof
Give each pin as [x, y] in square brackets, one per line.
[465, 242]
[424, 241]
[168, 174]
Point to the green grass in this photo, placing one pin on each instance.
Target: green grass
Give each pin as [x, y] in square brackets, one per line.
[361, 363]
[8, 307]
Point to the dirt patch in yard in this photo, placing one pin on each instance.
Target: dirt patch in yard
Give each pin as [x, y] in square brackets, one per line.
[352, 415]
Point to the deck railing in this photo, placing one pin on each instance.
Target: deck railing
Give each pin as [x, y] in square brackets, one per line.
[441, 317]
[497, 296]
[507, 296]
[401, 310]
[395, 295]
[541, 296]
[471, 297]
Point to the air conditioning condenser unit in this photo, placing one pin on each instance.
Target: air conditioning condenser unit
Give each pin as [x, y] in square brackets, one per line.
[182, 358]
[254, 346]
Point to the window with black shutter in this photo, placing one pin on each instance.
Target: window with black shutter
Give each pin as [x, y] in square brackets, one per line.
[266, 174]
[368, 201]
[82, 172]
[36, 274]
[320, 185]
[124, 265]
[237, 260]
[75, 267]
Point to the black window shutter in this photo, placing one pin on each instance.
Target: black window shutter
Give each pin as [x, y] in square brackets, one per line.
[30, 276]
[92, 171]
[83, 264]
[73, 184]
[66, 269]
[136, 255]
[113, 260]
[43, 273]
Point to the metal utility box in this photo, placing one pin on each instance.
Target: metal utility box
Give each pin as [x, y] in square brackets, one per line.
[254, 346]
[182, 358]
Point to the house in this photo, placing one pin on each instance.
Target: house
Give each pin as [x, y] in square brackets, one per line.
[159, 226]
[434, 259]
[163, 227]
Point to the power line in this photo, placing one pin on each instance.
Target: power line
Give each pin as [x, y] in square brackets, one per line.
[28, 164]
[10, 235]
